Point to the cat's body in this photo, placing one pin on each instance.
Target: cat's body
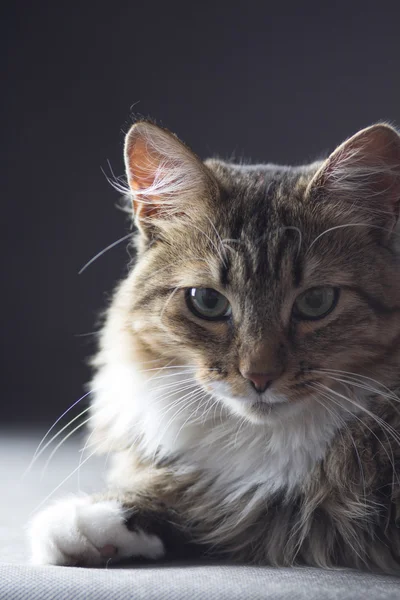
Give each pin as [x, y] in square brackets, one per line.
[264, 432]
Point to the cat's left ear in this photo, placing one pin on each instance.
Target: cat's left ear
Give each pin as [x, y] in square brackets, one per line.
[167, 180]
[363, 176]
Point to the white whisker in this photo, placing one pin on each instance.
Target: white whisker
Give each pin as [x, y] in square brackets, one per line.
[211, 242]
[168, 301]
[194, 398]
[358, 376]
[43, 449]
[60, 484]
[125, 237]
[335, 415]
[54, 425]
[61, 443]
[386, 428]
[219, 239]
[341, 227]
[183, 405]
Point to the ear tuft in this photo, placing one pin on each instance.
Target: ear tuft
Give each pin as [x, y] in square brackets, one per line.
[164, 176]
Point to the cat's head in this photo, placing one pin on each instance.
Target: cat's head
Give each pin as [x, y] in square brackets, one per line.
[272, 282]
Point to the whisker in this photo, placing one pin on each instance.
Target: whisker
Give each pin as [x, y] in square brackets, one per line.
[242, 421]
[368, 388]
[162, 376]
[297, 529]
[43, 449]
[59, 485]
[211, 401]
[184, 406]
[193, 401]
[383, 425]
[220, 240]
[335, 415]
[215, 411]
[211, 242]
[164, 397]
[61, 443]
[180, 400]
[55, 423]
[341, 227]
[171, 383]
[177, 289]
[226, 245]
[175, 263]
[364, 409]
[88, 334]
[91, 261]
[359, 376]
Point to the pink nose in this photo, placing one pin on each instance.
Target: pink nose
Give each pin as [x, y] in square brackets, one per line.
[260, 381]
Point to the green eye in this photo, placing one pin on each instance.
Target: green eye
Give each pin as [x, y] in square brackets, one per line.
[316, 303]
[207, 303]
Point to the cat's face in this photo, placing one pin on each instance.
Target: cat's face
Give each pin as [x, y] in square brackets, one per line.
[273, 283]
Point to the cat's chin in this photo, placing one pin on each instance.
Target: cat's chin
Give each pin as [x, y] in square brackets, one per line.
[261, 411]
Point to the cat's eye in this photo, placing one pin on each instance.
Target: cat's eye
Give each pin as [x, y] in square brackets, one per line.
[316, 303]
[207, 303]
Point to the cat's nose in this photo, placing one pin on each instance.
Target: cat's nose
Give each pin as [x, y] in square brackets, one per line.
[260, 381]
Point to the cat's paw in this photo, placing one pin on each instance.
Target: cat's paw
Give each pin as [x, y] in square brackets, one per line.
[80, 531]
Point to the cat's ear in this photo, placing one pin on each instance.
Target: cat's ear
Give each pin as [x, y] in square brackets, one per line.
[363, 175]
[166, 179]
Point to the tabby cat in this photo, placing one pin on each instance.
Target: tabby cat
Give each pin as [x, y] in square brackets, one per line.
[245, 383]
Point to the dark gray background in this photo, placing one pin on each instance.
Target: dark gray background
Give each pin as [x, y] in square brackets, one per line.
[278, 82]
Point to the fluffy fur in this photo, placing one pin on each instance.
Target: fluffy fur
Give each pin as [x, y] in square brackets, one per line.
[307, 471]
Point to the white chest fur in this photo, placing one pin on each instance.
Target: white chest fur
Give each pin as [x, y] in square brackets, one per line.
[168, 415]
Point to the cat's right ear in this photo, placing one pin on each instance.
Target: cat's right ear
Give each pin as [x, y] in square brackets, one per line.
[361, 178]
[167, 180]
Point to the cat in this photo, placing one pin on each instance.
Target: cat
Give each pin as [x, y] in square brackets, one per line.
[245, 382]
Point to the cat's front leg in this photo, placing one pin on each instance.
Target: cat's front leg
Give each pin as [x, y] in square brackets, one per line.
[89, 531]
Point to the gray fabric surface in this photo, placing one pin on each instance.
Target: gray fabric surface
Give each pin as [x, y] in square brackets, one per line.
[191, 583]
[19, 580]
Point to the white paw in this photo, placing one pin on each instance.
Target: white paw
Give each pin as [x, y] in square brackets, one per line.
[78, 531]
